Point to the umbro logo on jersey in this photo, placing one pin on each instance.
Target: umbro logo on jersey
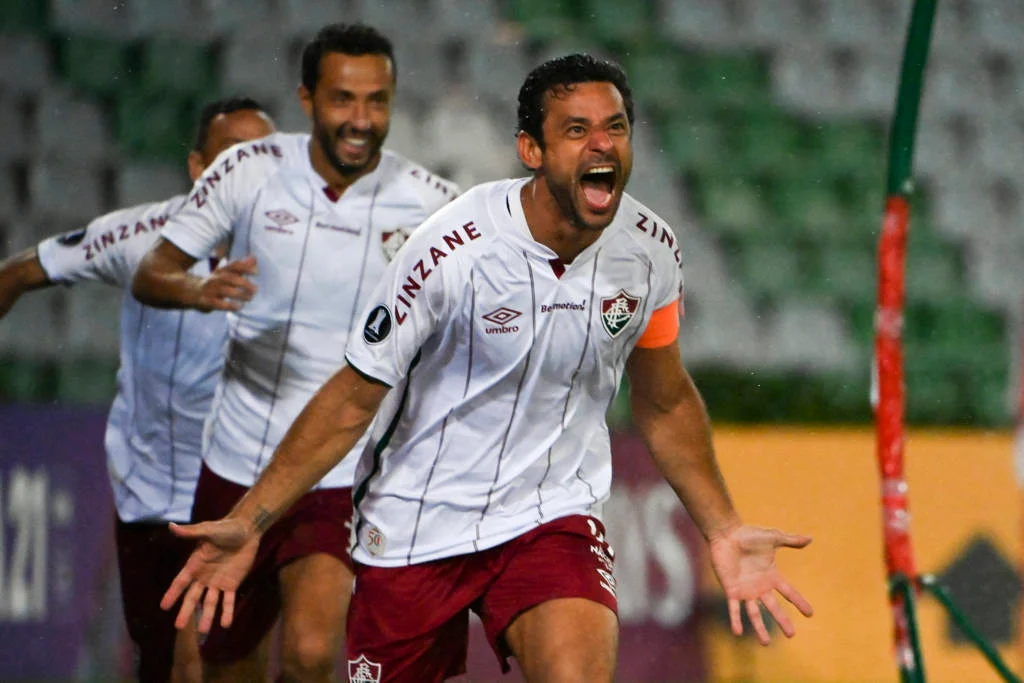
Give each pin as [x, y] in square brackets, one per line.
[363, 670]
[281, 217]
[378, 325]
[617, 311]
[502, 317]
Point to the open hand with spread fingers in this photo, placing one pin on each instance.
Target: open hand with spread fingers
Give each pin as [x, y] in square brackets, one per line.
[744, 560]
[223, 556]
[228, 287]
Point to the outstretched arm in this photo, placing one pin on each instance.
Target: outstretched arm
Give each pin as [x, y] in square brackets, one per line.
[163, 281]
[19, 274]
[324, 432]
[671, 416]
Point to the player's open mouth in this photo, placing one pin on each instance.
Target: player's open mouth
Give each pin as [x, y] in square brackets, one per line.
[354, 146]
[598, 185]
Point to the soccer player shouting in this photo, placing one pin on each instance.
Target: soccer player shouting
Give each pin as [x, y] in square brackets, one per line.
[490, 352]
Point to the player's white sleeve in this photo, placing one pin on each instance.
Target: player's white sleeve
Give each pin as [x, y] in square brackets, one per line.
[411, 303]
[220, 196]
[107, 250]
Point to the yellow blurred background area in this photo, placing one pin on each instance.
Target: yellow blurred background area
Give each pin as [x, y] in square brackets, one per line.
[825, 483]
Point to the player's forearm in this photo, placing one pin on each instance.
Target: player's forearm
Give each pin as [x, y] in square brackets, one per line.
[678, 435]
[162, 283]
[323, 434]
[19, 274]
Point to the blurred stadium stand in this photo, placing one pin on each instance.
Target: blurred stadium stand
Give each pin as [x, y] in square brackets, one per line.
[761, 138]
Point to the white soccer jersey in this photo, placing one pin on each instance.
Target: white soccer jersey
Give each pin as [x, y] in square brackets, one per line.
[319, 258]
[170, 362]
[503, 366]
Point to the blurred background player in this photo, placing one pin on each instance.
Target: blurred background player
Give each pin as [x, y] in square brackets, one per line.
[312, 221]
[170, 362]
[492, 348]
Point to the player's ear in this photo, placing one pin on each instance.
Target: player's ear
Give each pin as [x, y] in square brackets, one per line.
[195, 165]
[306, 100]
[529, 150]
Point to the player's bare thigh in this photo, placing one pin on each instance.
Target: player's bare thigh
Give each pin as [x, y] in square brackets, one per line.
[315, 592]
[567, 640]
[252, 667]
[188, 666]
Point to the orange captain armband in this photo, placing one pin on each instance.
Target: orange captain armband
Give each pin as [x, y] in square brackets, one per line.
[663, 329]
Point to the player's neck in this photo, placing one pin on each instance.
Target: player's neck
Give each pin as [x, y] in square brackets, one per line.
[550, 226]
[337, 181]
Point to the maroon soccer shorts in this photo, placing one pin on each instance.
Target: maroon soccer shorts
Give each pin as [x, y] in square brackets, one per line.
[149, 556]
[411, 624]
[319, 522]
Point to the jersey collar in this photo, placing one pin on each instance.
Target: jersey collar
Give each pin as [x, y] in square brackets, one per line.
[364, 185]
[512, 208]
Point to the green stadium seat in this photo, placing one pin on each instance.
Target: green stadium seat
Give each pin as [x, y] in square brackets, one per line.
[986, 390]
[616, 21]
[766, 139]
[958, 326]
[811, 206]
[179, 67]
[23, 15]
[152, 126]
[695, 142]
[933, 273]
[729, 78]
[86, 381]
[656, 77]
[847, 395]
[933, 395]
[849, 147]
[733, 204]
[545, 19]
[96, 65]
[770, 269]
[847, 273]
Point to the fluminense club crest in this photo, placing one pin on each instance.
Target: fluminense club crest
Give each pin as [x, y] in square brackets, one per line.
[362, 670]
[617, 311]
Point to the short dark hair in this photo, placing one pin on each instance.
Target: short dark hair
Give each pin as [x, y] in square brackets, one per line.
[211, 110]
[346, 39]
[565, 72]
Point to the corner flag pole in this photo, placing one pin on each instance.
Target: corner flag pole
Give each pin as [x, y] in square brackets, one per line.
[888, 380]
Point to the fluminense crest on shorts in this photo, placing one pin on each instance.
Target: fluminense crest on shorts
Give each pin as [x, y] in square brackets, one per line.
[617, 311]
[362, 670]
